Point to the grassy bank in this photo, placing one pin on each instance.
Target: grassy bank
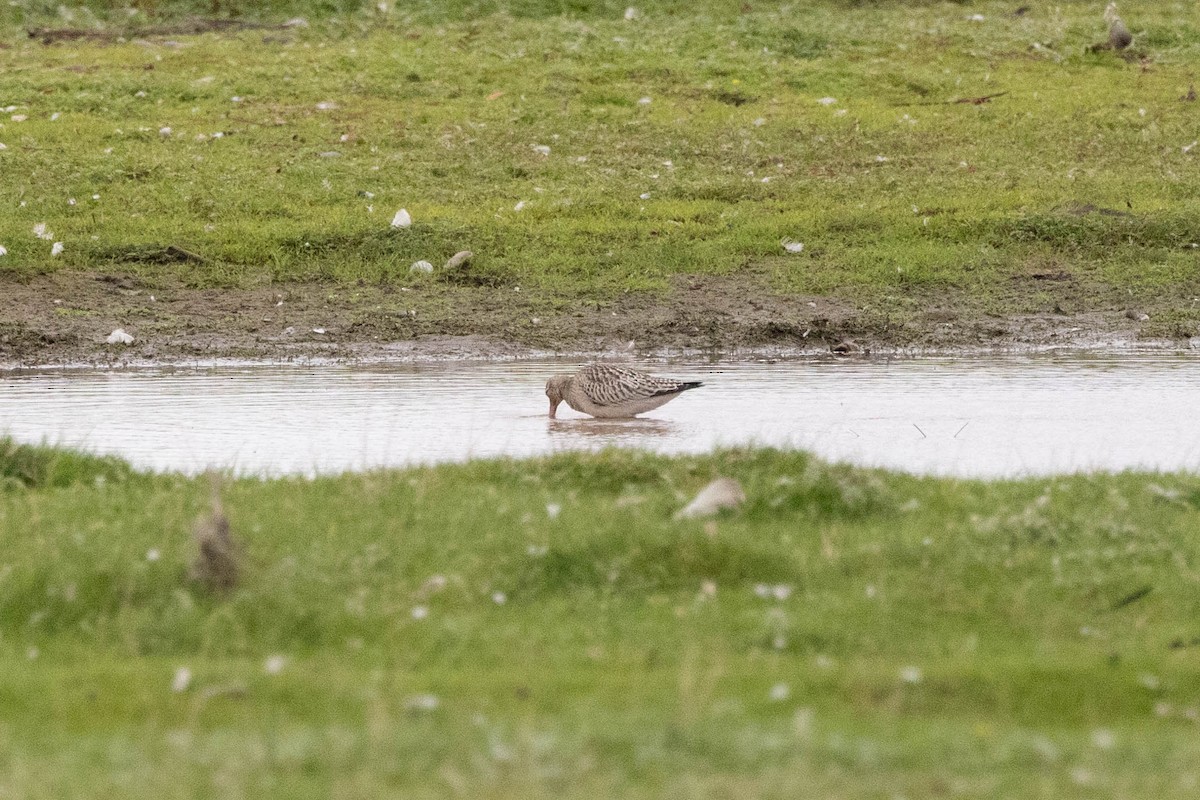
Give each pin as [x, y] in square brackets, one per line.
[544, 629]
[585, 158]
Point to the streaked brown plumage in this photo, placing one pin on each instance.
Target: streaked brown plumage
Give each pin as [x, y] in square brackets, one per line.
[216, 563]
[1119, 36]
[603, 390]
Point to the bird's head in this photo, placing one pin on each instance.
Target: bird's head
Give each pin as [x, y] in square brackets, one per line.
[556, 387]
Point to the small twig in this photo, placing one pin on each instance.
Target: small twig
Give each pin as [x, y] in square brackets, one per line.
[1132, 597]
[918, 427]
[960, 430]
[974, 101]
[978, 101]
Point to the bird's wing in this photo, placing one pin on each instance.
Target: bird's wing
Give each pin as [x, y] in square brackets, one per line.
[608, 386]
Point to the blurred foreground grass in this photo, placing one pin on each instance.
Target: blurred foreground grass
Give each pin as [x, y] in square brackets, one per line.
[544, 629]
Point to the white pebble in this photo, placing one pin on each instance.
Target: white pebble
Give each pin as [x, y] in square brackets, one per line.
[402, 219]
[182, 680]
[423, 267]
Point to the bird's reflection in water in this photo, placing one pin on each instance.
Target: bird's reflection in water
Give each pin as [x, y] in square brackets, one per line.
[612, 428]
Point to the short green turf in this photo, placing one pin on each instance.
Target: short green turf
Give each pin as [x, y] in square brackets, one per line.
[692, 139]
[544, 628]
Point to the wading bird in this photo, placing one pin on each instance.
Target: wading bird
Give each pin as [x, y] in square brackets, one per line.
[601, 390]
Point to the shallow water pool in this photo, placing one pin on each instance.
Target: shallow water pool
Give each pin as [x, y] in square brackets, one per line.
[954, 416]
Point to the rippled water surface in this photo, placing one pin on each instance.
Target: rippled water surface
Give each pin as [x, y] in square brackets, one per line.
[983, 417]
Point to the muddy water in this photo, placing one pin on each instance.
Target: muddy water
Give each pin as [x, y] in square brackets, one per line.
[1006, 416]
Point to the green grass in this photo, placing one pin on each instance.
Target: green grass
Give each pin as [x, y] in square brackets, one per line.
[932, 637]
[895, 190]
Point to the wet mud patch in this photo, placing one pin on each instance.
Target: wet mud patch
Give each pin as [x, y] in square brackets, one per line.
[65, 318]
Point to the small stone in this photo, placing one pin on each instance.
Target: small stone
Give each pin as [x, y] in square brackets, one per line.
[421, 267]
[402, 219]
[459, 259]
[723, 493]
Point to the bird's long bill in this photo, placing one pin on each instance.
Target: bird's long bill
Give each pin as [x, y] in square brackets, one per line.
[553, 408]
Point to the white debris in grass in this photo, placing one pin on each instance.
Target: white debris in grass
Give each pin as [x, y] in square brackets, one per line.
[274, 664]
[720, 494]
[326, 105]
[644, 196]
[911, 674]
[1104, 739]
[3, 250]
[645, 101]
[543, 149]
[780, 692]
[153, 554]
[792, 247]
[119, 336]
[631, 13]
[3, 146]
[19, 117]
[41, 232]
[420, 612]
[402, 219]
[520, 206]
[827, 101]
[56, 249]
[182, 680]
[1187, 148]
[164, 131]
[422, 702]
[70, 201]
[553, 510]
[499, 598]
[421, 267]
[976, 18]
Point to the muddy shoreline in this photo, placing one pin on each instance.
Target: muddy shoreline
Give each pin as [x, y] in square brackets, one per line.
[63, 319]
